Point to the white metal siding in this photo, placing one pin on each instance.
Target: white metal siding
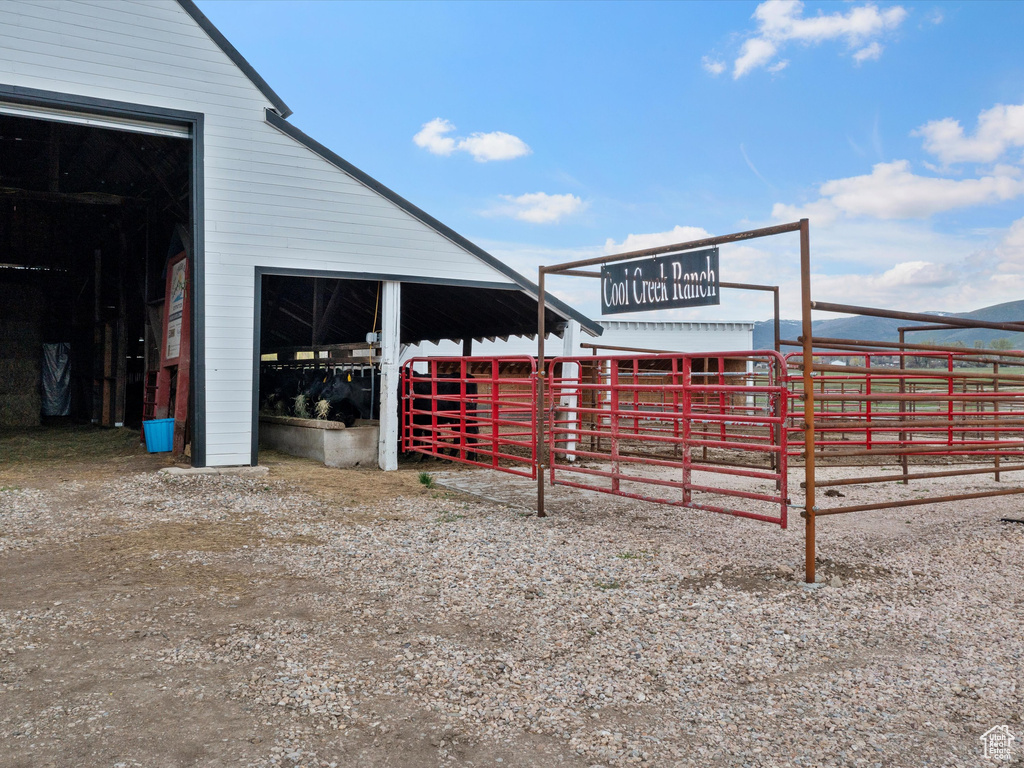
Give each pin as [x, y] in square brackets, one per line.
[668, 336]
[678, 336]
[268, 200]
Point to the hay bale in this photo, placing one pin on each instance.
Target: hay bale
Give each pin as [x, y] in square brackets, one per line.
[18, 376]
[20, 410]
[21, 343]
[21, 338]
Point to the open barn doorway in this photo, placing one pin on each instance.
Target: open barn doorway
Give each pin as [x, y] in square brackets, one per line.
[91, 209]
[318, 379]
[320, 350]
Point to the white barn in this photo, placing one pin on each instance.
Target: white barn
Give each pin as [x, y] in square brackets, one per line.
[145, 105]
[659, 335]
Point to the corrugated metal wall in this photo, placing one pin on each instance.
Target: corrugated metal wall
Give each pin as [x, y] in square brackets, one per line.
[669, 336]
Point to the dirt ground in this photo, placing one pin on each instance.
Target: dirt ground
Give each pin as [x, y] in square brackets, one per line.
[282, 618]
[114, 707]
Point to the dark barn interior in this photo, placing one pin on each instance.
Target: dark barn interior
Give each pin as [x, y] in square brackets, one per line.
[306, 311]
[88, 218]
[314, 329]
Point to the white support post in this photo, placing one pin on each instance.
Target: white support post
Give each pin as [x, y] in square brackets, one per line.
[750, 382]
[390, 353]
[571, 372]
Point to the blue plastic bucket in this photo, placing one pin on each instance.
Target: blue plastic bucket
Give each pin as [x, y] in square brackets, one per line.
[159, 435]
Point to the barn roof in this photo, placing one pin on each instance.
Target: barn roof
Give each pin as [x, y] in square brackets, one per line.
[232, 53]
[276, 117]
[528, 287]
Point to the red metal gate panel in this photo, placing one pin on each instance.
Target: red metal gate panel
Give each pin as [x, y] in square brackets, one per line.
[474, 410]
[682, 423]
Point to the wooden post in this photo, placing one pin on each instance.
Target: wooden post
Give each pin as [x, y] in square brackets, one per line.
[121, 368]
[318, 308]
[106, 394]
[97, 338]
[390, 350]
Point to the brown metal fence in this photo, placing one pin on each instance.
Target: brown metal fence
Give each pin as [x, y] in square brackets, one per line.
[886, 407]
[859, 412]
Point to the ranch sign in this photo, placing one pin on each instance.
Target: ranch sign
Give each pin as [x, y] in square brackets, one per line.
[666, 282]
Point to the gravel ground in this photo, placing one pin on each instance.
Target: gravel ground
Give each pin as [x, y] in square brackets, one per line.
[313, 617]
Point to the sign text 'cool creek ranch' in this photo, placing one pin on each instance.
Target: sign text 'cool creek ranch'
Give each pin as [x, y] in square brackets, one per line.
[665, 282]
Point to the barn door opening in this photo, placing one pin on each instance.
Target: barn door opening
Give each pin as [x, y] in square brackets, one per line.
[91, 209]
[318, 380]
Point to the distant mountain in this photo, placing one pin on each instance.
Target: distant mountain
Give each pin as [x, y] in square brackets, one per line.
[764, 332]
[882, 329]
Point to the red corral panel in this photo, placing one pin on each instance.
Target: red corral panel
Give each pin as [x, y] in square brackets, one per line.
[474, 410]
[704, 431]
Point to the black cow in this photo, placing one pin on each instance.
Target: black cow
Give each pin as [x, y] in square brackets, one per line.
[279, 388]
[349, 397]
[366, 394]
[425, 406]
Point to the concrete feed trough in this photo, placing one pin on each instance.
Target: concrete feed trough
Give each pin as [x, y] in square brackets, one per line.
[329, 442]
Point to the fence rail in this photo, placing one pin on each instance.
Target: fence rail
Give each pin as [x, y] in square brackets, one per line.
[716, 431]
[474, 410]
[902, 404]
[672, 422]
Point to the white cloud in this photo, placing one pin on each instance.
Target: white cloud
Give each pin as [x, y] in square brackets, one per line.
[740, 263]
[782, 21]
[642, 242]
[1013, 242]
[905, 265]
[712, 66]
[923, 285]
[871, 52]
[496, 145]
[431, 137]
[999, 129]
[484, 147]
[892, 191]
[538, 207]
[954, 273]
[886, 286]
[755, 53]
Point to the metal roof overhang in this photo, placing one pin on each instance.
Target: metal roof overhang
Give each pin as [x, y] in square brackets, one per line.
[431, 311]
[556, 307]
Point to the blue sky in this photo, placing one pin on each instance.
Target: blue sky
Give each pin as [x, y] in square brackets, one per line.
[546, 132]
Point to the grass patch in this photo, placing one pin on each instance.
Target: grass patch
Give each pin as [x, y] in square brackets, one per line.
[640, 554]
[606, 585]
[426, 480]
[449, 517]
